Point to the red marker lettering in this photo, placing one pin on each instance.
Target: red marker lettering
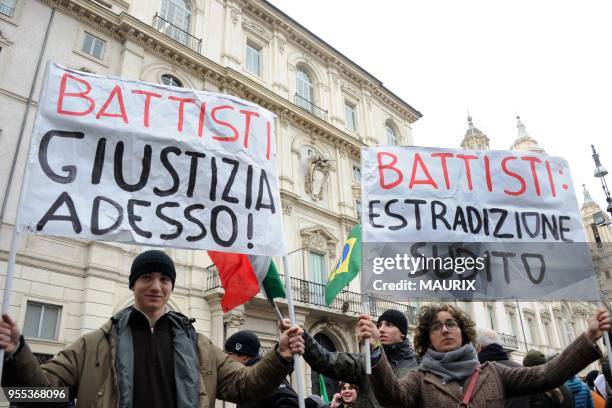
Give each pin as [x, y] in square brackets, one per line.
[389, 166]
[514, 175]
[418, 161]
[182, 102]
[202, 118]
[553, 190]
[488, 173]
[213, 115]
[532, 162]
[82, 95]
[443, 157]
[247, 124]
[102, 112]
[468, 171]
[148, 95]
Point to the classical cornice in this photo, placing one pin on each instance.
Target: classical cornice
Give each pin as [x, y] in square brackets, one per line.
[124, 27]
[330, 56]
[307, 208]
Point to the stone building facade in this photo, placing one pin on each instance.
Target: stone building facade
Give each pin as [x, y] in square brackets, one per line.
[328, 108]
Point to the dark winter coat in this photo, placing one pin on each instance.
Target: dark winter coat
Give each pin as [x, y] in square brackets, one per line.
[282, 397]
[495, 352]
[551, 399]
[350, 367]
[496, 382]
[95, 366]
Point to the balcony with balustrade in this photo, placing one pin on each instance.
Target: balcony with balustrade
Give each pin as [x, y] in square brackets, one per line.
[177, 34]
[312, 294]
[310, 107]
[507, 341]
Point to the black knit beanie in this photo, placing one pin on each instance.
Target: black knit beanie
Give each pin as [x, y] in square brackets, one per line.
[243, 342]
[152, 261]
[397, 318]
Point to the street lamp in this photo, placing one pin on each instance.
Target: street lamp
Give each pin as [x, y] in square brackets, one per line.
[600, 173]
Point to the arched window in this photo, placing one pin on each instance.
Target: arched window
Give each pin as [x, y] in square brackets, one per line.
[177, 13]
[304, 90]
[171, 80]
[331, 385]
[391, 136]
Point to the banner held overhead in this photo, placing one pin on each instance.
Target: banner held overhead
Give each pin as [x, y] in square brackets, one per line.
[149, 164]
[472, 225]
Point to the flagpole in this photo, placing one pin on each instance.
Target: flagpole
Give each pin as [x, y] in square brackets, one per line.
[279, 315]
[366, 343]
[10, 268]
[297, 359]
[8, 283]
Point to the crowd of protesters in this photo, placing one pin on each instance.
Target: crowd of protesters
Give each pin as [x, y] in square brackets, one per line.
[150, 356]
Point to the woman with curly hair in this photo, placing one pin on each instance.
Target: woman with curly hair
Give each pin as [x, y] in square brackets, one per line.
[450, 374]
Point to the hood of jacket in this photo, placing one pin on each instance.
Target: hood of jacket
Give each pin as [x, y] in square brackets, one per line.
[253, 360]
[401, 355]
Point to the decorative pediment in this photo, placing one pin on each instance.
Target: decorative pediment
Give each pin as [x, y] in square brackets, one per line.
[349, 90]
[253, 27]
[318, 238]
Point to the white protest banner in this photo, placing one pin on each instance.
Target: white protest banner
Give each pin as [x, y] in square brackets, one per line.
[448, 223]
[134, 162]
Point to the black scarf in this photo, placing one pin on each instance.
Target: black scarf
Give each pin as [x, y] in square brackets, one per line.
[492, 352]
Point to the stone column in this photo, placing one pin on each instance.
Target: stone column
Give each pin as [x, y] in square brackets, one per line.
[132, 57]
[284, 153]
[335, 97]
[366, 109]
[332, 75]
[279, 63]
[232, 39]
[216, 318]
[344, 170]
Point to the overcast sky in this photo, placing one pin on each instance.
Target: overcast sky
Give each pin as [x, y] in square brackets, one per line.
[548, 61]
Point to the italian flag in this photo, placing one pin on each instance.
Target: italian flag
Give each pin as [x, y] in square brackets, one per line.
[242, 276]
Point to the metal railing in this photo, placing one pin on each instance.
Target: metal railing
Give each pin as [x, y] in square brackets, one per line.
[6, 10]
[177, 33]
[264, 350]
[313, 293]
[310, 107]
[507, 340]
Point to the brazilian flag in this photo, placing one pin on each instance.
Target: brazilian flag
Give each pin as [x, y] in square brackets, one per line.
[348, 265]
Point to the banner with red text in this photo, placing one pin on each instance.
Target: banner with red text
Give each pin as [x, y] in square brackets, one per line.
[128, 161]
[448, 223]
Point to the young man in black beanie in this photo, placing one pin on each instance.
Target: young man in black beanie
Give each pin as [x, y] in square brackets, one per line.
[243, 347]
[147, 355]
[391, 331]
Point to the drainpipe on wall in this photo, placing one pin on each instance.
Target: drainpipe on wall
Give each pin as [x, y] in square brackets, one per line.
[23, 122]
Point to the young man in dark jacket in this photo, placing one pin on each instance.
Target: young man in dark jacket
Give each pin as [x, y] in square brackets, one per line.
[147, 355]
[243, 347]
[391, 330]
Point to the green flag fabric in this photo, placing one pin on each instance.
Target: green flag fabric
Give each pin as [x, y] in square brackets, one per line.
[272, 283]
[323, 389]
[348, 265]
